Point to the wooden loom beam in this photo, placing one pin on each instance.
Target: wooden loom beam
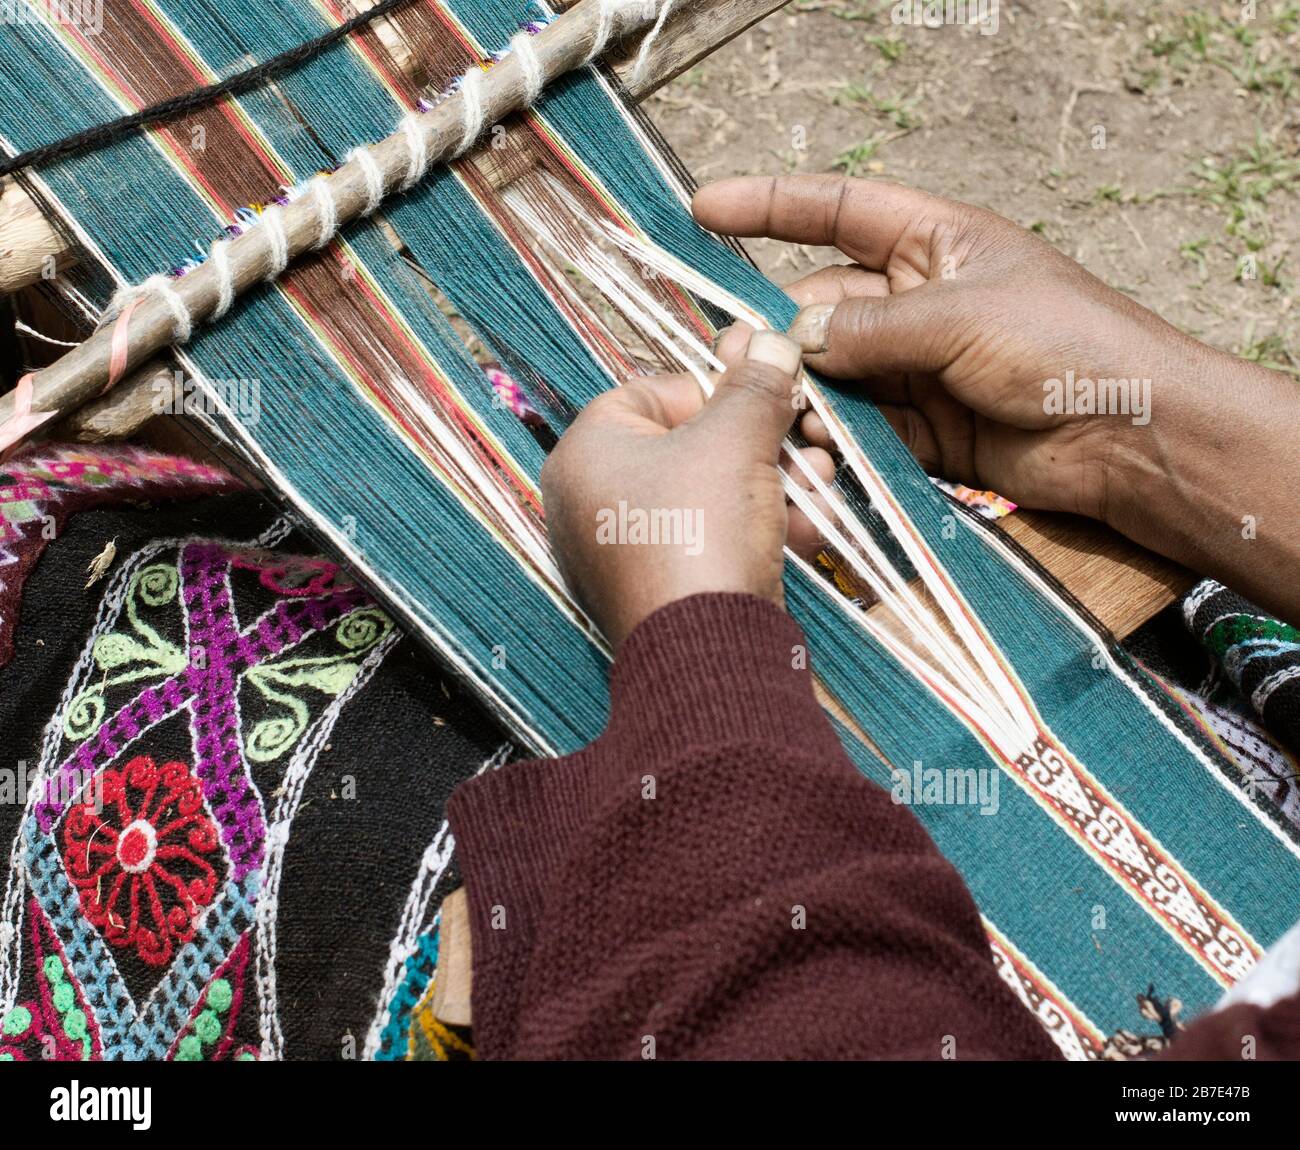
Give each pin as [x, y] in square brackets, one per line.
[687, 38]
[30, 246]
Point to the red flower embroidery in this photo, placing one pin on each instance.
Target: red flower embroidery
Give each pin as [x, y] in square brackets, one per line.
[138, 862]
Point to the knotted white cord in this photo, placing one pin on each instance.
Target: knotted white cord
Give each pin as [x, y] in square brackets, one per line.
[417, 145]
[220, 260]
[643, 56]
[161, 286]
[277, 242]
[373, 176]
[530, 67]
[323, 194]
[471, 97]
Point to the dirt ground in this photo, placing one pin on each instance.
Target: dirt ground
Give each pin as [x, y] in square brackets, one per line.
[1156, 143]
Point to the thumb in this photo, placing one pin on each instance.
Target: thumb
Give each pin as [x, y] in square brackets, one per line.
[756, 400]
[881, 335]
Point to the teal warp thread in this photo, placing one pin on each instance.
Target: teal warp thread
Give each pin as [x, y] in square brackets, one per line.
[493, 290]
[1038, 892]
[466, 589]
[48, 95]
[1052, 656]
[224, 37]
[462, 585]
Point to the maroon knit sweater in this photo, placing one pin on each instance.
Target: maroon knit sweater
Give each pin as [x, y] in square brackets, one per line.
[712, 878]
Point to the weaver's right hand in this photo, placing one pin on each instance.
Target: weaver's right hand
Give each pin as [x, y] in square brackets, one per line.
[968, 331]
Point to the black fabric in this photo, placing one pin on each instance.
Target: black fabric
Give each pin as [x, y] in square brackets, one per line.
[371, 806]
[1259, 654]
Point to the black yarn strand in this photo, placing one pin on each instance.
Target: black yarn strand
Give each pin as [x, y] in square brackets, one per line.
[175, 106]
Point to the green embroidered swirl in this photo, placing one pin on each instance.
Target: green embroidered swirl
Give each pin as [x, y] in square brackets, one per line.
[283, 683]
[157, 585]
[363, 628]
[84, 715]
[270, 738]
[128, 656]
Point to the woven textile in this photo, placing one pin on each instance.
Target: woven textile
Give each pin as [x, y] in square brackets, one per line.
[1259, 655]
[275, 921]
[337, 957]
[1112, 806]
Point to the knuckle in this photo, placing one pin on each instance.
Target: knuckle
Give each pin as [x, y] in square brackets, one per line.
[647, 402]
[600, 407]
[761, 380]
[856, 321]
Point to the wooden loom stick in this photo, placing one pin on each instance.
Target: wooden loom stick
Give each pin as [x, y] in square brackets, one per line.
[689, 36]
[31, 247]
[155, 318]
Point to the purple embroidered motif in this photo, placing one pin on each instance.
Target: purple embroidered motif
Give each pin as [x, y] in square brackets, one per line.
[209, 693]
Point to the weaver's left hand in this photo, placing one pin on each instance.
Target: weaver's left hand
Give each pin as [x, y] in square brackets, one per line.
[655, 494]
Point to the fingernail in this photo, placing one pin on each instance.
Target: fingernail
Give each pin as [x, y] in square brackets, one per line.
[773, 348]
[812, 328]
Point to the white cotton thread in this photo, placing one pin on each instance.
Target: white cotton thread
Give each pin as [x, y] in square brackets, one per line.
[220, 260]
[609, 19]
[643, 56]
[530, 67]
[418, 147]
[373, 176]
[160, 286]
[471, 103]
[28, 330]
[604, 27]
[327, 209]
[277, 242]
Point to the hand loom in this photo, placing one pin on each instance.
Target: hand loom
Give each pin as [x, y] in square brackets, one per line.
[1125, 849]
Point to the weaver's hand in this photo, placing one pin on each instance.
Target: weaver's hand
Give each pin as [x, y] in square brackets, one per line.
[982, 344]
[653, 494]
[954, 319]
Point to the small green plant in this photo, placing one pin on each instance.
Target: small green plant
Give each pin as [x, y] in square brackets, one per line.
[890, 49]
[854, 160]
[1272, 351]
[899, 110]
[1194, 252]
